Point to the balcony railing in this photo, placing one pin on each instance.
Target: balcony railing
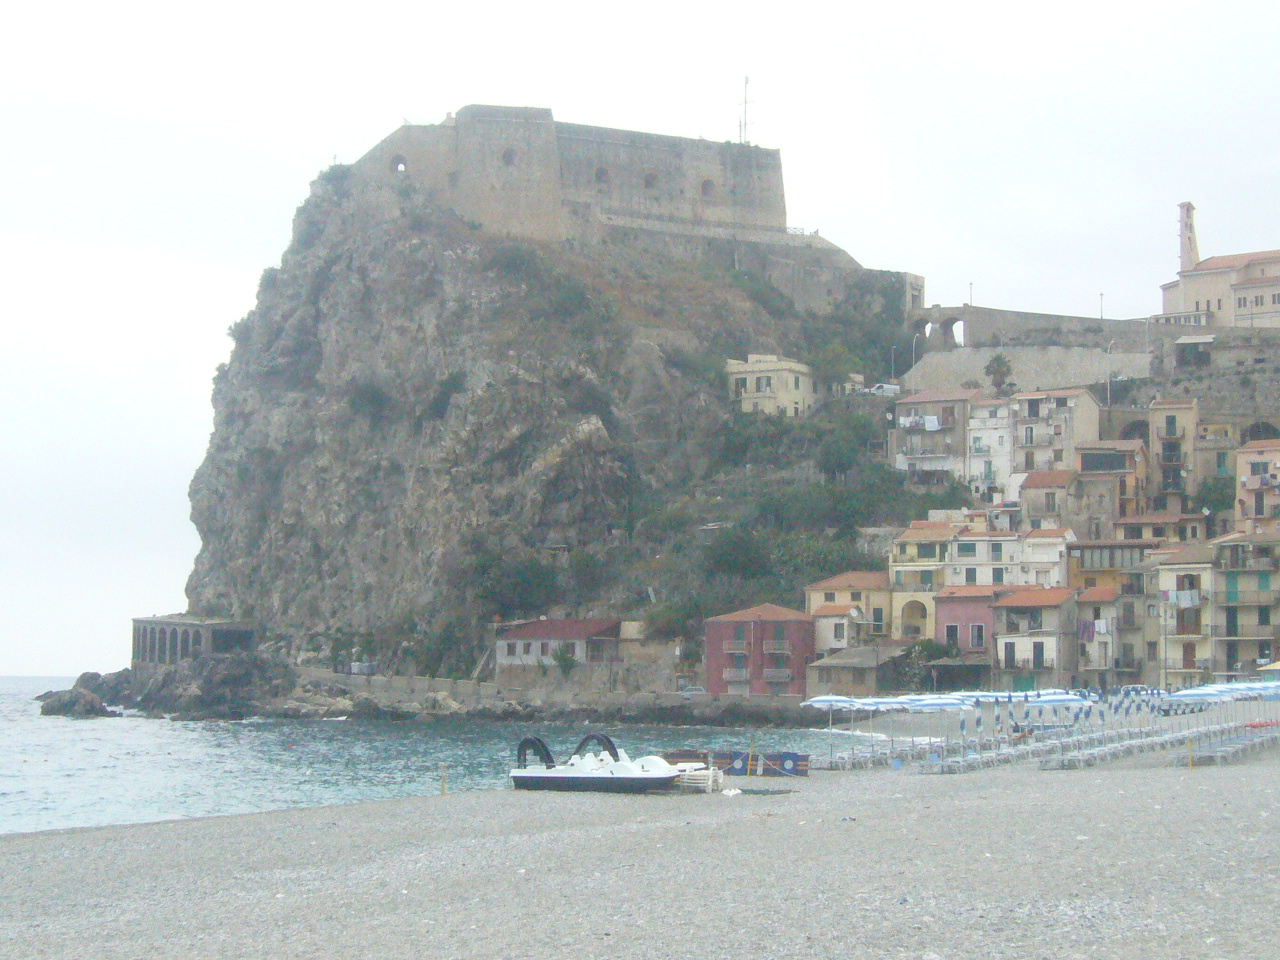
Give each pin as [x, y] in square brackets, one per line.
[1127, 663]
[1127, 623]
[777, 646]
[735, 646]
[1198, 319]
[1243, 631]
[1177, 433]
[778, 675]
[1246, 598]
[1260, 482]
[1037, 440]
[735, 675]
[1031, 664]
[925, 423]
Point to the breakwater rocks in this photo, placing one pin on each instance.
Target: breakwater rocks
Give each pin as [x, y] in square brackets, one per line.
[234, 686]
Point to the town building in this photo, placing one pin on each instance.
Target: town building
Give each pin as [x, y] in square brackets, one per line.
[536, 644]
[765, 383]
[1047, 499]
[1035, 637]
[1111, 483]
[1048, 425]
[1258, 487]
[1110, 638]
[990, 457]
[929, 439]
[867, 590]
[1236, 290]
[985, 558]
[1044, 557]
[1217, 607]
[760, 651]
[917, 566]
[1169, 525]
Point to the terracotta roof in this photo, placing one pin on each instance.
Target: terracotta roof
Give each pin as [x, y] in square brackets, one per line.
[1151, 544]
[562, 630]
[941, 532]
[969, 590]
[1099, 595]
[765, 611]
[988, 534]
[854, 579]
[1037, 479]
[930, 396]
[1188, 402]
[1273, 444]
[1257, 282]
[836, 609]
[1037, 597]
[859, 657]
[1234, 261]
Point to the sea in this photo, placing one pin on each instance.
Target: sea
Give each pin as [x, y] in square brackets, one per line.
[59, 772]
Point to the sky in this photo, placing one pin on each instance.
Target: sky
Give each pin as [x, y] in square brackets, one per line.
[152, 155]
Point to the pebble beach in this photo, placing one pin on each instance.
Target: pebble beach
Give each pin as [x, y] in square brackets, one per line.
[1138, 859]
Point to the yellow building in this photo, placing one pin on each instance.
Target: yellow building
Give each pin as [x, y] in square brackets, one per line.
[1237, 290]
[764, 383]
[917, 569]
[867, 590]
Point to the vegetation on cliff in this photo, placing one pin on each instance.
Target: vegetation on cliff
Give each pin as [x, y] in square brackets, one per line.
[423, 427]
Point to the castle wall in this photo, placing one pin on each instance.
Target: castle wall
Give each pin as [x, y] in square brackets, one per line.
[1034, 368]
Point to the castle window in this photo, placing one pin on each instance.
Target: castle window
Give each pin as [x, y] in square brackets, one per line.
[708, 188]
[602, 175]
[398, 164]
[508, 157]
[650, 181]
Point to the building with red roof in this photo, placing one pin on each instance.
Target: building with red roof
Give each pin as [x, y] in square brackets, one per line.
[759, 651]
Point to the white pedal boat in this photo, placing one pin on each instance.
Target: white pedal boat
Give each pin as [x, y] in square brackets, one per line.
[609, 771]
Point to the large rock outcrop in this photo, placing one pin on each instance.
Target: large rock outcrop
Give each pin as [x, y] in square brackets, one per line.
[409, 387]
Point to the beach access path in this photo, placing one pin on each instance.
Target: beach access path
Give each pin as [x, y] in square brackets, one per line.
[1129, 861]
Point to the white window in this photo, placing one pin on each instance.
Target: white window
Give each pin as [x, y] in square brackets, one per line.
[837, 630]
[977, 635]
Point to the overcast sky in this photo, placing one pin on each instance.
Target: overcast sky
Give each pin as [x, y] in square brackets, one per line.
[152, 155]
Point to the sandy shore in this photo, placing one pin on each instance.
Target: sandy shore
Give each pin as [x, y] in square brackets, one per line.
[1128, 861]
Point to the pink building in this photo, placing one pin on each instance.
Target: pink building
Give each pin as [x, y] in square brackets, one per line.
[760, 651]
[965, 622]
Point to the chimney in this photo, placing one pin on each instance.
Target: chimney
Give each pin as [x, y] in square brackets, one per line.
[1189, 250]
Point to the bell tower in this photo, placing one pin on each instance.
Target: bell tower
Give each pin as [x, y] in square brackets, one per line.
[1189, 250]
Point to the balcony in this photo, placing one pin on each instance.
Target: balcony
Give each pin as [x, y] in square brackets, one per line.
[776, 675]
[1262, 481]
[1033, 664]
[777, 646]
[1177, 433]
[1038, 440]
[1243, 631]
[1169, 458]
[1127, 663]
[1246, 598]
[736, 646]
[1127, 623]
[930, 424]
[1231, 560]
[735, 675]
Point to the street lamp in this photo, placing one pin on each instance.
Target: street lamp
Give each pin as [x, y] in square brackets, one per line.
[913, 349]
[892, 347]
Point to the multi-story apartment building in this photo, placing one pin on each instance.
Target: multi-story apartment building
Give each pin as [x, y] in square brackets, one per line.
[1035, 639]
[1111, 483]
[1168, 526]
[1048, 425]
[1109, 629]
[1047, 499]
[929, 440]
[1008, 558]
[1258, 487]
[990, 457]
[917, 568]
[765, 383]
[1174, 432]
[761, 651]
[866, 591]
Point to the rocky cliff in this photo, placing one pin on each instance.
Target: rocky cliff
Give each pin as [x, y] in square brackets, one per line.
[413, 401]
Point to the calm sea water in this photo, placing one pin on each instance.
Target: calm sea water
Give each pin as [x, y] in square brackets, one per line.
[58, 772]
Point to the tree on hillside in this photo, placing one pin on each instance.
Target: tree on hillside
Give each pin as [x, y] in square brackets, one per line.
[999, 370]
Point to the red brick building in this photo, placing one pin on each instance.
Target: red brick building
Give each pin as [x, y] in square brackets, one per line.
[758, 652]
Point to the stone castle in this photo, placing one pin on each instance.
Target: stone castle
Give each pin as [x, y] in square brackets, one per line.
[517, 171]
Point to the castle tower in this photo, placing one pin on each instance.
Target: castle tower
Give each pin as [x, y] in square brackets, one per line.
[1189, 250]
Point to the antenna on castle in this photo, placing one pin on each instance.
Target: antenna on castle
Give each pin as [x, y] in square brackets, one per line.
[742, 124]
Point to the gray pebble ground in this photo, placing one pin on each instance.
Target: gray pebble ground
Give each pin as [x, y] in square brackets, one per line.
[1127, 861]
